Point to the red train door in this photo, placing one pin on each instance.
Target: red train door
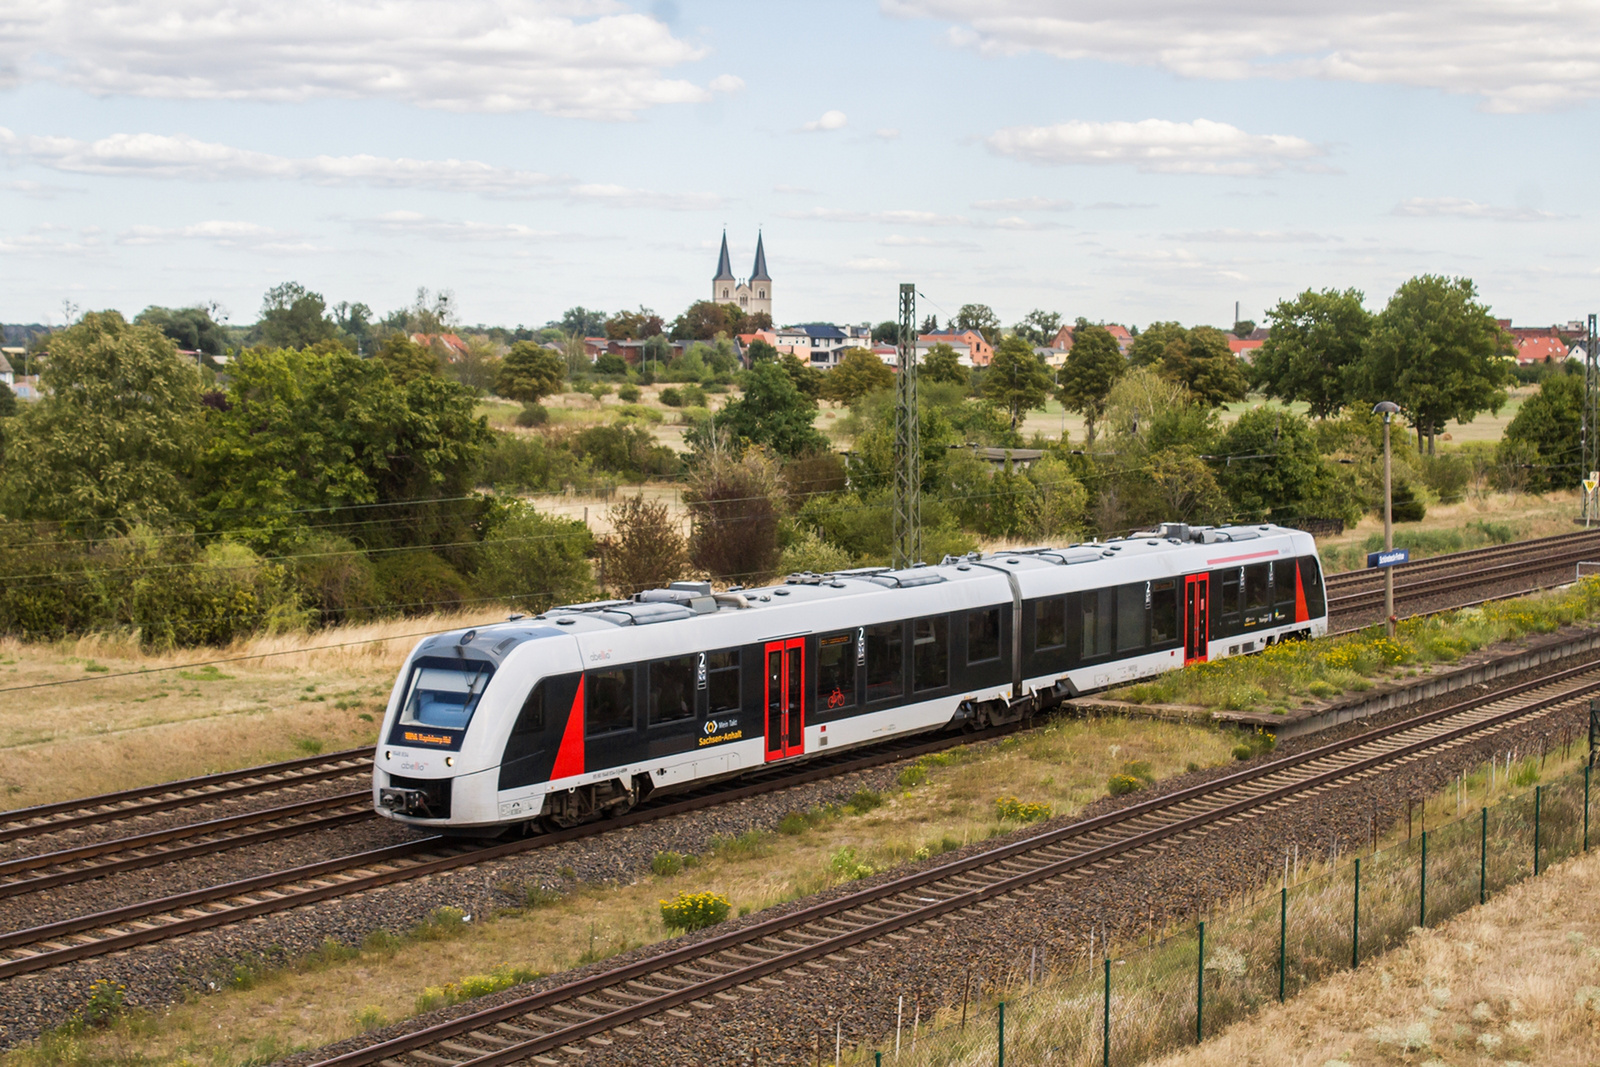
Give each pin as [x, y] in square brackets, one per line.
[1196, 617]
[786, 698]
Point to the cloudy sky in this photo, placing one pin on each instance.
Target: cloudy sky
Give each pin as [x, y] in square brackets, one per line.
[1124, 160]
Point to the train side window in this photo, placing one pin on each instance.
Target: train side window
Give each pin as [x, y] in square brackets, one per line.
[1311, 582]
[1163, 611]
[1231, 581]
[1130, 617]
[1257, 593]
[885, 662]
[1097, 618]
[1050, 628]
[608, 701]
[722, 681]
[1283, 590]
[930, 648]
[672, 689]
[836, 671]
[983, 635]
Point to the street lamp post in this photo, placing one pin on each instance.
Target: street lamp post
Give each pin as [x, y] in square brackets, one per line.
[1387, 409]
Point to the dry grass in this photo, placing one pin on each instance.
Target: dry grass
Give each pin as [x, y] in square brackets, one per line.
[106, 728]
[1517, 980]
[950, 800]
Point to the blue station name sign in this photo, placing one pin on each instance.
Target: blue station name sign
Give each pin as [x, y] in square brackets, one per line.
[1389, 558]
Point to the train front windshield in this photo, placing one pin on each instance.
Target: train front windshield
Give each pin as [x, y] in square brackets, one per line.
[444, 692]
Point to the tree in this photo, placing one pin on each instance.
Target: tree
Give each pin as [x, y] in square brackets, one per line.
[8, 402]
[536, 561]
[1039, 327]
[355, 322]
[941, 364]
[858, 373]
[772, 412]
[700, 321]
[308, 434]
[1093, 366]
[930, 324]
[886, 333]
[1184, 487]
[634, 325]
[734, 502]
[979, 317]
[1273, 466]
[1202, 361]
[645, 549]
[479, 367]
[112, 444]
[294, 317]
[805, 377]
[191, 328]
[1549, 425]
[758, 320]
[1244, 328]
[406, 359]
[582, 322]
[530, 373]
[760, 352]
[1437, 353]
[1150, 347]
[1016, 379]
[1316, 339]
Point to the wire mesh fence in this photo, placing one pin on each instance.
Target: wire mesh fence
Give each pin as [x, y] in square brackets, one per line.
[1129, 1006]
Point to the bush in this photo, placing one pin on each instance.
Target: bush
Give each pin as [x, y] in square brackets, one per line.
[666, 863]
[628, 394]
[532, 415]
[475, 985]
[735, 502]
[625, 448]
[808, 552]
[535, 561]
[1021, 810]
[610, 363]
[419, 582]
[1447, 476]
[689, 912]
[336, 579]
[863, 801]
[1408, 507]
[1121, 785]
[535, 464]
[645, 549]
[672, 397]
[104, 1003]
[844, 863]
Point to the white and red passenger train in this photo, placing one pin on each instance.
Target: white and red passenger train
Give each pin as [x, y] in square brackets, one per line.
[584, 710]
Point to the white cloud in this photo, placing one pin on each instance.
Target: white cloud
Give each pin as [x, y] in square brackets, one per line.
[1024, 203]
[1113, 205]
[886, 133]
[793, 190]
[1232, 236]
[186, 158]
[870, 264]
[1156, 145]
[896, 240]
[415, 224]
[726, 83]
[830, 120]
[223, 233]
[1457, 207]
[589, 59]
[898, 218]
[38, 190]
[1513, 55]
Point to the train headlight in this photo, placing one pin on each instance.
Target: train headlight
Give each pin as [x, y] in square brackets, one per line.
[387, 754]
[449, 761]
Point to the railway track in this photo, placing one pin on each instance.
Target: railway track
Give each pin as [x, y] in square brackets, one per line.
[54, 944]
[712, 972]
[208, 789]
[1356, 597]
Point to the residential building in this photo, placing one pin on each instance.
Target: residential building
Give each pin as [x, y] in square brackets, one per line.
[1245, 347]
[7, 375]
[447, 346]
[822, 344]
[1541, 349]
[752, 295]
[971, 348]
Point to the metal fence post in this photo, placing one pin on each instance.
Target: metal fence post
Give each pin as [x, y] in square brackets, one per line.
[1200, 987]
[1283, 937]
[1002, 1062]
[1538, 803]
[1105, 1025]
[1483, 859]
[1422, 904]
[1586, 809]
[1355, 922]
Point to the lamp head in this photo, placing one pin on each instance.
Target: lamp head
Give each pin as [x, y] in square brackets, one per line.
[1387, 408]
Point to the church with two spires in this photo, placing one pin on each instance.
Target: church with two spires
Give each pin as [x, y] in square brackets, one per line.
[751, 295]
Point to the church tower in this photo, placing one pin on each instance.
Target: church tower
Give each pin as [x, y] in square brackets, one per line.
[751, 296]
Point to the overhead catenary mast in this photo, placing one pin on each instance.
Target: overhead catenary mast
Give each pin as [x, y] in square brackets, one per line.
[907, 440]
